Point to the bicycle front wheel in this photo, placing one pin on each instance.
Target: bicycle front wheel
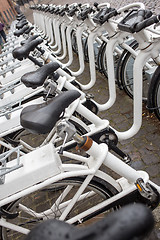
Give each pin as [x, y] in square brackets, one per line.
[51, 201]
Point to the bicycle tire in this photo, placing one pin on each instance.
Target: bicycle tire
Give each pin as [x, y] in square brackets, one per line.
[74, 41]
[126, 75]
[103, 61]
[99, 62]
[120, 61]
[125, 72]
[154, 93]
[43, 200]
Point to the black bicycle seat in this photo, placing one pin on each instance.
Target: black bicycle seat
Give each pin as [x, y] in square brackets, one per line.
[24, 51]
[130, 222]
[36, 78]
[29, 29]
[19, 32]
[26, 41]
[41, 118]
[21, 16]
[21, 24]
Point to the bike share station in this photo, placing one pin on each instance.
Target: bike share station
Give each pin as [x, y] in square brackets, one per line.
[43, 95]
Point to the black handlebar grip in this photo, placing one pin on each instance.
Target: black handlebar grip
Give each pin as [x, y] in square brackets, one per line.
[109, 15]
[72, 11]
[83, 15]
[101, 14]
[140, 16]
[95, 4]
[146, 23]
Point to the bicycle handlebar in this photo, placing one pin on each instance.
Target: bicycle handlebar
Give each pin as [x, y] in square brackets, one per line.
[139, 5]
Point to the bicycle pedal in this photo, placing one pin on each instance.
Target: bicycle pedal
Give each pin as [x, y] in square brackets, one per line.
[7, 215]
[148, 192]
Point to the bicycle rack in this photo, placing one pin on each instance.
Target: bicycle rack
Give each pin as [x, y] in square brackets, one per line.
[6, 53]
[6, 62]
[8, 109]
[10, 88]
[9, 68]
[3, 162]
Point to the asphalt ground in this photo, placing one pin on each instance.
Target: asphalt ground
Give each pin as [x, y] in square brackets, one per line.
[143, 148]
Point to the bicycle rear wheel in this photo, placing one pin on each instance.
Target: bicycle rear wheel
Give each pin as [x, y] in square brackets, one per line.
[53, 196]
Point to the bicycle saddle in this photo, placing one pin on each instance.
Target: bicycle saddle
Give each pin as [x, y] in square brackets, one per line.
[41, 118]
[24, 51]
[21, 31]
[36, 78]
[130, 222]
[20, 17]
[29, 39]
[29, 29]
[21, 23]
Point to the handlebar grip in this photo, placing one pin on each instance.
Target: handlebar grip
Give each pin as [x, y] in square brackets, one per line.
[95, 4]
[109, 15]
[140, 16]
[83, 15]
[101, 14]
[72, 11]
[146, 23]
